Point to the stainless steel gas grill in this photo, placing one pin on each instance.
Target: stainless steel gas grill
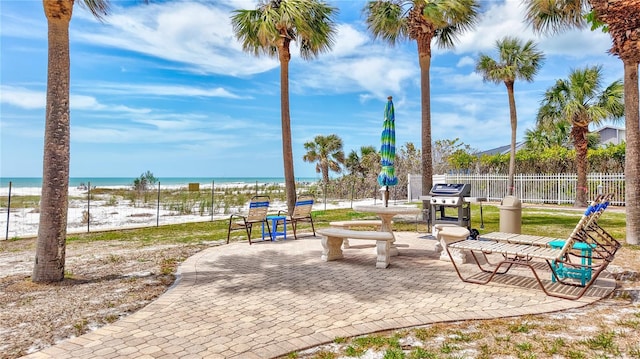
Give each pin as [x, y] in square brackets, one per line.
[448, 204]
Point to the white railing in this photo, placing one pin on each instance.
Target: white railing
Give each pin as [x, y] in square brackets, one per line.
[536, 188]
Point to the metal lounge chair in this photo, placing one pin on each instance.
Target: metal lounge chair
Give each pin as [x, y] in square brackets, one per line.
[258, 208]
[566, 263]
[301, 213]
[590, 222]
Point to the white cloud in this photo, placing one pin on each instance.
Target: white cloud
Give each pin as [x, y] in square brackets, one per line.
[198, 35]
[348, 41]
[466, 61]
[22, 97]
[162, 90]
[507, 18]
[380, 76]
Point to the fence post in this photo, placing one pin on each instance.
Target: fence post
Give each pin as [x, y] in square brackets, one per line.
[353, 186]
[325, 195]
[213, 183]
[558, 188]
[158, 207]
[6, 237]
[88, 206]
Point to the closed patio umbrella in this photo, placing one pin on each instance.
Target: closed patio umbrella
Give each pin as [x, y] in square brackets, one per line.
[387, 176]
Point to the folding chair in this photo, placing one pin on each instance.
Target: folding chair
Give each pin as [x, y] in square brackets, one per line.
[258, 208]
[301, 213]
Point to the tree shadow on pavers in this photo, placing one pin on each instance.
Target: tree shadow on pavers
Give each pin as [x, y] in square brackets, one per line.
[522, 281]
[413, 275]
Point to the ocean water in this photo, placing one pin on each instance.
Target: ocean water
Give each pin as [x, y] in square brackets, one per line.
[17, 182]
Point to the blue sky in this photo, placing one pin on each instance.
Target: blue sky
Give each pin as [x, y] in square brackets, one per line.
[166, 87]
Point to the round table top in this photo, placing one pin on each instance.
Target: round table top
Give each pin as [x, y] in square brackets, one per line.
[389, 210]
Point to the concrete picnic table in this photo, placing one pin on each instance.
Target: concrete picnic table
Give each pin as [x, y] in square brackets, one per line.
[386, 214]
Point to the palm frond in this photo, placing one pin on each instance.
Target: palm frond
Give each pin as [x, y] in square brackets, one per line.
[98, 8]
[552, 16]
[386, 20]
[274, 23]
[515, 61]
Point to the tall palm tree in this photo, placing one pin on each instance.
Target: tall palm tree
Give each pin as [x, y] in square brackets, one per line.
[622, 18]
[515, 61]
[52, 228]
[327, 152]
[422, 21]
[269, 30]
[581, 100]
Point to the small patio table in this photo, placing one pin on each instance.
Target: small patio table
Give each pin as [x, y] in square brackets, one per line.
[583, 272]
[274, 222]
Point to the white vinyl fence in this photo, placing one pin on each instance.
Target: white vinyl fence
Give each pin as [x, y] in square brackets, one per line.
[536, 188]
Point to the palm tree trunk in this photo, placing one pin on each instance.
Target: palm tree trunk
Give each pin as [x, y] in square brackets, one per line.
[52, 229]
[325, 173]
[514, 124]
[632, 160]
[287, 151]
[579, 134]
[424, 57]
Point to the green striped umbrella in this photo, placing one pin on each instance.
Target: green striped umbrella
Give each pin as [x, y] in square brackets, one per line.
[387, 176]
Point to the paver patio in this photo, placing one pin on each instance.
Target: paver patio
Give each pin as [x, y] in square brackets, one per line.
[272, 298]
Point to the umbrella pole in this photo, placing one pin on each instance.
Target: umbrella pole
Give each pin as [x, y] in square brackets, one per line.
[386, 196]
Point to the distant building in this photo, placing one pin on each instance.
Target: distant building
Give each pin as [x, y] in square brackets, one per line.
[608, 135]
[503, 150]
[611, 135]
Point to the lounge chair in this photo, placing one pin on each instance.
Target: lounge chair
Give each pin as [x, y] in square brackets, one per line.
[567, 262]
[590, 223]
[301, 213]
[258, 208]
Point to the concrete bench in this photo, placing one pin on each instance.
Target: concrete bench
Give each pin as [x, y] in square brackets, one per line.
[332, 241]
[376, 223]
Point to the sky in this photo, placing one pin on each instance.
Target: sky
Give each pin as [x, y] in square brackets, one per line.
[166, 87]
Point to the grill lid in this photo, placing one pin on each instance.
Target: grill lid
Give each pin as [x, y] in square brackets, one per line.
[451, 189]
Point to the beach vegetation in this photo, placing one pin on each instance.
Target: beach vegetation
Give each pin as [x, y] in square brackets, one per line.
[621, 19]
[145, 182]
[424, 21]
[363, 169]
[516, 61]
[28, 201]
[269, 29]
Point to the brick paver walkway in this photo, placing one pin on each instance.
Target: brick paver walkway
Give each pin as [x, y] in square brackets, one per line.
[272, 298]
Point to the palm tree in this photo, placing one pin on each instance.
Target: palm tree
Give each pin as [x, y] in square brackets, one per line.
[359, 164]
[622, 19]
[581, 101]
[52, 228]
[270, 29]
[422, 21]
[543, 137]
[515, 61]
[327, 152]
